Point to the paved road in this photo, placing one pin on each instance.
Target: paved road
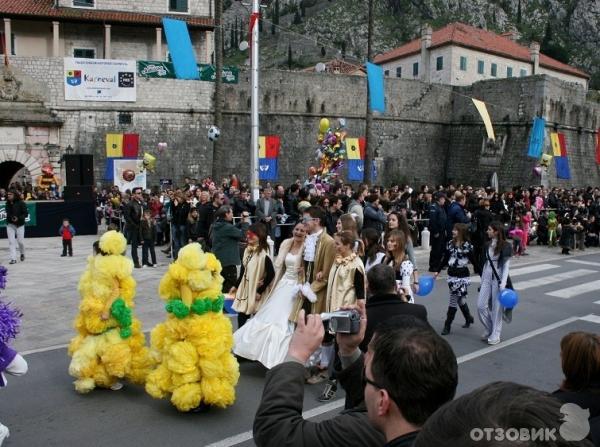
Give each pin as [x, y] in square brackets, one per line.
[558, 295]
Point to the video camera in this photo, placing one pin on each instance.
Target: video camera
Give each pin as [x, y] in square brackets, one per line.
[342, 321]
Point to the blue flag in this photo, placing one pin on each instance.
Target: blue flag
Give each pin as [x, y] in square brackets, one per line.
[536, 138]
[562, 168]
[267, 169]
[376, 87]
[180, 48]
[356, 170]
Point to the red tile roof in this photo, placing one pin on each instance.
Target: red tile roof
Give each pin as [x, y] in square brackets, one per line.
[45, 9]
[340, 66]
[478, 39]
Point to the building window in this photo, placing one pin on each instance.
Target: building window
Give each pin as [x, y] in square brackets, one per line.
[480, 67]
[439, 63]
[463, 63]
[386, 73]
[509, 72]
[178, 6]
[85, 53]
[494, 70]
[83, 3]
[125, 118]
[12, 43]
[416, 69]
[398, 72]
[523, 72]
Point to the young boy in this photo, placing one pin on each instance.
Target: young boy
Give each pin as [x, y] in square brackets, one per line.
[67, 232]
[148, 236]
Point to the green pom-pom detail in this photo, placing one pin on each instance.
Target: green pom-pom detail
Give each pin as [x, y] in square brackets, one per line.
[122, 314]
[217, 305]
[178, 308]
[200, 306]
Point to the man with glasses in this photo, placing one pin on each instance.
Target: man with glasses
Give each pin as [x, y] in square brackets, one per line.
[133, 216]
[408, 372]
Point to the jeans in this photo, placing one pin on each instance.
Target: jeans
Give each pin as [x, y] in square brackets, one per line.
[179, 239]
[15, 235]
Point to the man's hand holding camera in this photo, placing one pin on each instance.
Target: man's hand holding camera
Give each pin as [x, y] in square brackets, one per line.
[349, 343]
[307, 337]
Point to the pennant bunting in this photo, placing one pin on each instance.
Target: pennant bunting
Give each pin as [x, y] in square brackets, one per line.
[485, 116]
[376, 87]
[555, 144]
[131, 145]
[536, 138]
[267, 169]
[114, 145]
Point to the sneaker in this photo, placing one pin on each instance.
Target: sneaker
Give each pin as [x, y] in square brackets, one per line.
[22, 257]
[63, 255]
[116, 386]
[4, 433]
[493, 342]
[154, 265]
[329, 391]
[144, 266]
[12, 261]
[137, 266]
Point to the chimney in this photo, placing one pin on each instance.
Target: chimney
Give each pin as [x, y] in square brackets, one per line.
[426, 33]
[512, 34]
[534, 53]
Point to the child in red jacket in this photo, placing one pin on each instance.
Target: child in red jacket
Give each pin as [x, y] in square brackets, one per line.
[67, 231]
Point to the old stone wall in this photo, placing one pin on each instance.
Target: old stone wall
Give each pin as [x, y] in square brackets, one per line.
[429, 133]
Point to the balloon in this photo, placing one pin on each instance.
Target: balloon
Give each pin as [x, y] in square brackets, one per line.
[128, 175]
[323, 125]
[508, 298]
[425, 285]
[342, 122]
[149, 161]
[537, 171]
[162, 147]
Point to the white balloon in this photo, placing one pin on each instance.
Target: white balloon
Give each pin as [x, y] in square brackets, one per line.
[320, 67]
[243, 45]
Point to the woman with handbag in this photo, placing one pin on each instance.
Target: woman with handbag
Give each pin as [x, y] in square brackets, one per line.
[494, 279]
[459, 252]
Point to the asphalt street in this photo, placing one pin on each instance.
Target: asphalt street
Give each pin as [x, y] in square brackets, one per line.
[557, 295]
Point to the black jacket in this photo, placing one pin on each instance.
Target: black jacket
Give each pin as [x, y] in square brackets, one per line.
[279, 420]
[133, 213]
[437, 220]
[16, 213]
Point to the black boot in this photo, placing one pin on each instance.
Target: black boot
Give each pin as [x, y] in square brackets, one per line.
[449, 319]
[469, 320]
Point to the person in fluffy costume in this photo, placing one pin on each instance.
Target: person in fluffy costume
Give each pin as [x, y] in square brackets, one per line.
[194, 344]
[109, 344]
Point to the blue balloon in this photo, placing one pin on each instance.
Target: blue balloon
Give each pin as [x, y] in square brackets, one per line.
[508, 298]
[227, 306]
[425, 285]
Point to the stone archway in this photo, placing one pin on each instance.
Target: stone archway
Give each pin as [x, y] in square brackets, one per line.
[13, 160]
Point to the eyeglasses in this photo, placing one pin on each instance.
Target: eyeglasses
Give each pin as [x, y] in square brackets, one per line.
[366, 380]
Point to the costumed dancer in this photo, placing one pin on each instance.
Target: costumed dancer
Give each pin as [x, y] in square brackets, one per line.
[11, 362]
[459, 252]
[494, 278]
[256, 274]
[552, 226]
[109, 345]
[194, 344]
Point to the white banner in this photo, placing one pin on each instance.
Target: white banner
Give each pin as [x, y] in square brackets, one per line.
[99, 80]
[129, 174]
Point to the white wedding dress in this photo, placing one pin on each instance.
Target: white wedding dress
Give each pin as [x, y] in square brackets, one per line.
[266, 336]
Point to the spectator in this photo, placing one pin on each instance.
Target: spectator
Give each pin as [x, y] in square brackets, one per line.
[66, 231]
[356, 206]
[374, 217]
[437, 227]
[16, 213]
[148, 236]
[133, 217]
[456, 213]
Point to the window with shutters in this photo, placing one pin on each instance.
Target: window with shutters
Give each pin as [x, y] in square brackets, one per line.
[463, 63]
[178, 6]
[398, 72]
[480, 67]
[509, 73]
[494, 70]
[416, 69]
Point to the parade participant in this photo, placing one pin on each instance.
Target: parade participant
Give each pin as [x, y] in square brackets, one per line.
[266, 336]
[567, 235]
[67, 231]
[437, 227]
[16, 213]
[494, 278]
[109, 345]
[459, 252]
[552, 227]
[374, 252]
[194, 344]
[255, 276]
[180, 209]
[397, 258]
[346, 222]
[398, 221]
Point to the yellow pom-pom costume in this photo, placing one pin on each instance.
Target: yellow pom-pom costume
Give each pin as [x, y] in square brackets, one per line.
[109, 344]
[194, 344]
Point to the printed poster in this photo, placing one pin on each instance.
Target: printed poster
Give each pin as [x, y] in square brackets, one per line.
[99, 80]
[129, 174]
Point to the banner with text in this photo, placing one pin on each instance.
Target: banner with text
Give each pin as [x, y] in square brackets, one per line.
[165, 70]
[99, 80]
[30, 220]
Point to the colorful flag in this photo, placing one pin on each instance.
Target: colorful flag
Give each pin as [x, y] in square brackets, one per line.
[131, 145]
[562, 162]
[267, 169]
[353, 149]
[272, 144]
[485, 116]
[555, 144]
[536, 138]
[181, 49]
[114, 145]
[376, 87]
[262, 147]
[362, 144]
[356, 170]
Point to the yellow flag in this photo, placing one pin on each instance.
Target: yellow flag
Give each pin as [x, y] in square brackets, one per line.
[555, 144]
[485, 116]
[352, 149]
[262, 147]
[114, 144]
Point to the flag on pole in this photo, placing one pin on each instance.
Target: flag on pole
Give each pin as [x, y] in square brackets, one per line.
[536, 138]
[272, 146]
[562, 162]
[131, 145]
[267, 169]
[376, 87]
[356, 170]
[262, 147]
[485, 116]
[353, 149]
[114, 145]
[555, 144]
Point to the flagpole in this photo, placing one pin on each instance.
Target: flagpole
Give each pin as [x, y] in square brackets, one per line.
[254, 184]
[369, 143]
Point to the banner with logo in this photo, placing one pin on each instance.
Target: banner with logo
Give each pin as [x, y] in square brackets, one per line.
[129, 174]
[99, 80]
[165, 70]
[229, 74]
[30, 220]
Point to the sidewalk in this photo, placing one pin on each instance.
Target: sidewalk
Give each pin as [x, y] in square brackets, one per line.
[44, 287]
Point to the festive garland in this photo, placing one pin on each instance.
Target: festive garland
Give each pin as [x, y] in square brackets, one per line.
[200, 306]
[122, 314]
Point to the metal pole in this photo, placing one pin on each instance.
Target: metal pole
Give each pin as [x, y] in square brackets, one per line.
[369, 140]
[254, 185]
[218, 96]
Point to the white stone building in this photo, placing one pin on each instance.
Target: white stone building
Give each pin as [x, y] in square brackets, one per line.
[460, 54]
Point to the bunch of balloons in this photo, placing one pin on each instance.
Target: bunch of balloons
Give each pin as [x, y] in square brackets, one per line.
[331, 151]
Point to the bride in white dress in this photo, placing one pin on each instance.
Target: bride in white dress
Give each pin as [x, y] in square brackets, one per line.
[266, 336]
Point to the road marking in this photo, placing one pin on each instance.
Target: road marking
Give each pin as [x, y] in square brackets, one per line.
[524, 270]
[577, 261]
[591, 318]
[570, 292]
[544, 280]
[596, 302]
[49, 348]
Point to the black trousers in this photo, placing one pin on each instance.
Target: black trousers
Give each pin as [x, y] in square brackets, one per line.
[67, 245]
[437, 252]
[148, 247]
[134, 239]
[229, 274]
